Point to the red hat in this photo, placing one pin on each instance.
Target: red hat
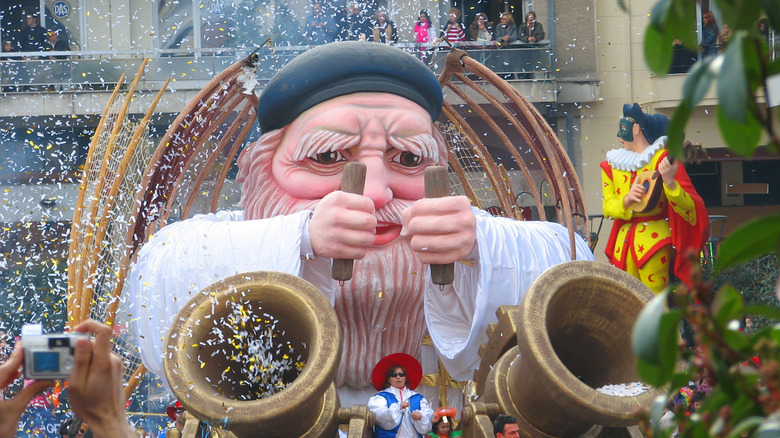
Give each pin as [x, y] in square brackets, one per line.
[171, 411]
[444, 411]
[410, 365]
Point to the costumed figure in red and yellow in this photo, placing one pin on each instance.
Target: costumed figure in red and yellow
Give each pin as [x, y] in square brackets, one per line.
[647, 240]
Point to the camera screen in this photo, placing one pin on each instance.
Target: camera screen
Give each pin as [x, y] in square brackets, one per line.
[46, 361]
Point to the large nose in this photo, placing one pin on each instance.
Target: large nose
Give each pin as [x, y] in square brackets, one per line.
[377, 186]
[373, 144]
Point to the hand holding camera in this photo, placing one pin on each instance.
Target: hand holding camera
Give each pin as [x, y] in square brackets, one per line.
[95, 387]
[95, 376]
[11, 409]
[49, 356]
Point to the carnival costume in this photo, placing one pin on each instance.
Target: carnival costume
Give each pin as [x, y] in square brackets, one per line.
[390, 419]
[646, 244]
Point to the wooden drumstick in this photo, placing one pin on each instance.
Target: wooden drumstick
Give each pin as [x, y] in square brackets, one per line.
[437, 185]
[353, 181]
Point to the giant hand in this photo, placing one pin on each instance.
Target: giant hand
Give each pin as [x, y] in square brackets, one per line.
[440, 230]
[342, 226]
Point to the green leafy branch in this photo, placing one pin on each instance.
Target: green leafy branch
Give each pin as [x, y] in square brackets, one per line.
[743, 368]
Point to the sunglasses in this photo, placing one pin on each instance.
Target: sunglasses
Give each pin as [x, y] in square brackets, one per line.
[397, 375]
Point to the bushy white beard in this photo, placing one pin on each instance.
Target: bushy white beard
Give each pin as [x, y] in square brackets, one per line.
[381, 309]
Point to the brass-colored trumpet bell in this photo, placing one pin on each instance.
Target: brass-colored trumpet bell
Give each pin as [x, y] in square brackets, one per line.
[573, 337]
[196, 368]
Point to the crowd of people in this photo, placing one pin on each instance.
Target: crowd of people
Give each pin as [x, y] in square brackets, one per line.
[355, 22]
[35, 38]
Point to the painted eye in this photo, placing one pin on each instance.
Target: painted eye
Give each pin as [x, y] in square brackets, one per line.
[330, 157]
[408, 159]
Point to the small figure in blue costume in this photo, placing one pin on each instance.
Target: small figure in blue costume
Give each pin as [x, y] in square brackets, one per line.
[398, 410]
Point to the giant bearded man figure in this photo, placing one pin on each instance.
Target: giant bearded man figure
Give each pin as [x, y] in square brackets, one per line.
[374, 104]
[648, 244]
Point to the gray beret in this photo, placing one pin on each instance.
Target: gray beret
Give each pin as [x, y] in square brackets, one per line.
[341, 68]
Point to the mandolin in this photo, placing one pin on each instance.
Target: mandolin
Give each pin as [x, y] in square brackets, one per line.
[653, 183]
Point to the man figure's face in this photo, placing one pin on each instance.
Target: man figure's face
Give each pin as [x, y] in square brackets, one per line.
[31, 21]
[511, 430]
[317, 9]
[391, 135]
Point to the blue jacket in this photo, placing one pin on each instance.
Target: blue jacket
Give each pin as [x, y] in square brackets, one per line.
[414, 405]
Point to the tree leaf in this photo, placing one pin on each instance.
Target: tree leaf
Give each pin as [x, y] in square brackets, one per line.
[658, 50]
[676, 129]
[752, 240]
[732, 82]
[772, 11]
[680, 22]
[742, 138]
[651, 374]
[645, 338]
[769, 312]
[660, 14]
[770, 428]
[698, 82]
[739, 14]
[727, 306]
[744, 426]
[654, 340]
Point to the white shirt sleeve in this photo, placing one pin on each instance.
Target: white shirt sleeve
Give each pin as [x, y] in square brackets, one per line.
[510, 255]
[386, 417]
[183, 258]
[423, 425]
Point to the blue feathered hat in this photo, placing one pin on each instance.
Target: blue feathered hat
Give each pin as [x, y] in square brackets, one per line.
[653, 125]
[341, 68]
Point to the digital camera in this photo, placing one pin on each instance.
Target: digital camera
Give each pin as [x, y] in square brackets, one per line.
[49, 356]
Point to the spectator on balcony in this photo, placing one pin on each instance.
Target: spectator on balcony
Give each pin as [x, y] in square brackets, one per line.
[58, 71]
[9, 47]
[481, 30]
[506, 31]
[531, 31]
[355, 25]
[33, 36]
[320, 27]
[54, 44]
[384, 30]
[709, 38]
[682, 58]
[9, 72]
[723, 37]
[423, 30]
[454, 31]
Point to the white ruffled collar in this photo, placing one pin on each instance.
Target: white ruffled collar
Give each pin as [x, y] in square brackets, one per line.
[630, 161]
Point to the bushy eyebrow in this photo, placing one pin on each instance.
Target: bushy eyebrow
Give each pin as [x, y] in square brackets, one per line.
[423, 145]
[319, 141]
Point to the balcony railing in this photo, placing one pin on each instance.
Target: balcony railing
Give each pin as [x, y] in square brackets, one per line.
[89, 70]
